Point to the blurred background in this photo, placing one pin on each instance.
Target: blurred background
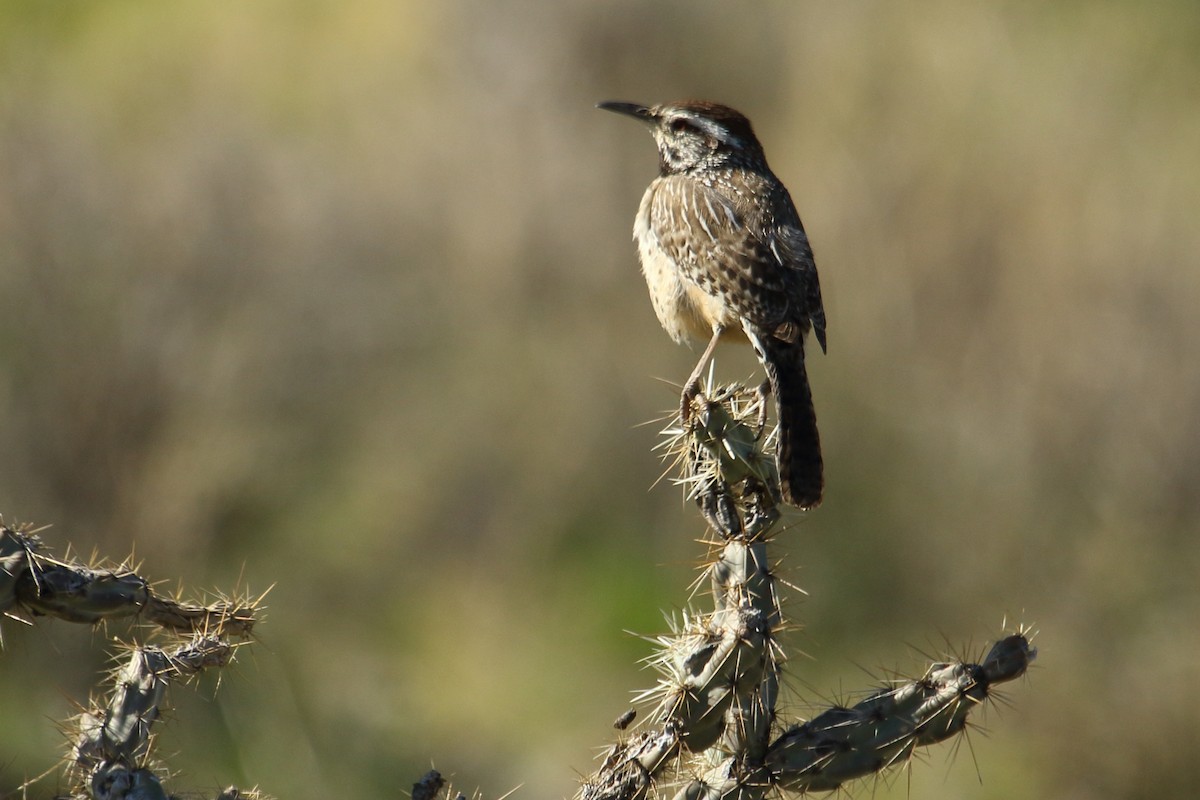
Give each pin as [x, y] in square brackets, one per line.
[340, 299]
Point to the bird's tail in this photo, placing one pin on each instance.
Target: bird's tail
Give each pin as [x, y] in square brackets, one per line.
[798, 452]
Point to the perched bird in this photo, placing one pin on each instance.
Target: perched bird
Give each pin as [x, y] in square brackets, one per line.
[725, 257]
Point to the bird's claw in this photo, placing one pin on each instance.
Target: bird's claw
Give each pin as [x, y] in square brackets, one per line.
[690, 393]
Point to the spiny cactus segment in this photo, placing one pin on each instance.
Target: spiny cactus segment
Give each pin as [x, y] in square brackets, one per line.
[112, 741]
[714, 733]
[33, 583]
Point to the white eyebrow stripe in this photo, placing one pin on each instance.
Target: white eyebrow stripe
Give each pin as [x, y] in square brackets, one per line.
[716, 131]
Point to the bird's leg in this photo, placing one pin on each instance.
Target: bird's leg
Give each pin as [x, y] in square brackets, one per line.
[692, 388]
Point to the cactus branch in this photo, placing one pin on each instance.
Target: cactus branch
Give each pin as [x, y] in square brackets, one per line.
[33, 584]
[112, 741]
[120, 730]
[715, 720]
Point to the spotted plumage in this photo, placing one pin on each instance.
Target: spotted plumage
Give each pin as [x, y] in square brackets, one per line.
[725, 256]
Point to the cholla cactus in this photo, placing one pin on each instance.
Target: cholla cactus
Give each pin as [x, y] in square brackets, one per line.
[33, 584]
[714, 720]
[111, 747]
[714, 731]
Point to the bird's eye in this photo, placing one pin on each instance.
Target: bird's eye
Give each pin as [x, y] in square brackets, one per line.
[680, 125]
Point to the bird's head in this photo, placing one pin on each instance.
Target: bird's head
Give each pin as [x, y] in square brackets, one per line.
[695, 135]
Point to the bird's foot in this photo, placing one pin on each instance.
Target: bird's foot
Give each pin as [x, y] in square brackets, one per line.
[690, 392]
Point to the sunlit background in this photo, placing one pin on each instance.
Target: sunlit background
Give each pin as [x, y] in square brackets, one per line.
[340, 298]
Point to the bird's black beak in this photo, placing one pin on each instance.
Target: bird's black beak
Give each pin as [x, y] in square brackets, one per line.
[629, 109]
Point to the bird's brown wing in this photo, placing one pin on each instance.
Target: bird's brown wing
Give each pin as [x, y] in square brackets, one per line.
[788, 231]
[763, 278]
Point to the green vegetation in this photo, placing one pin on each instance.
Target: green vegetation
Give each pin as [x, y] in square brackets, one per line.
[340, 297]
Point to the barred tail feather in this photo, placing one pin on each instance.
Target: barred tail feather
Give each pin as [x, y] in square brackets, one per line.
[798, 453]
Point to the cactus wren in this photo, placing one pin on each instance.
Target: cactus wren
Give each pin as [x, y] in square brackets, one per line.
[725, 256]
